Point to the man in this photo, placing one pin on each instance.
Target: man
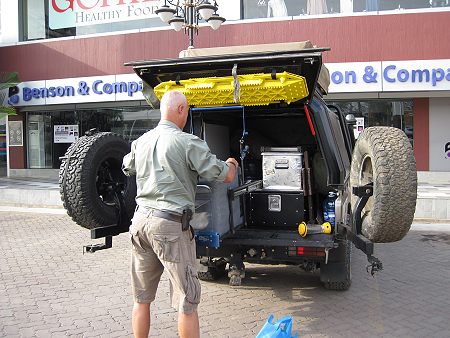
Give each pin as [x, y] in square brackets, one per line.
[167, 163]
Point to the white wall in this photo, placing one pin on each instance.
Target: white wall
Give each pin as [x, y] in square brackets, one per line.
[439, 133]
[9, 21]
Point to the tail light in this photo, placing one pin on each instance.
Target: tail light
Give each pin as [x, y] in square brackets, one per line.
[306, 251]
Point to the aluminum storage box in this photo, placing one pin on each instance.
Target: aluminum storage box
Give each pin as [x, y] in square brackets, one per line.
[282, 169]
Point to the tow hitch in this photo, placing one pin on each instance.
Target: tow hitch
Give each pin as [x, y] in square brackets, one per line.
[91, 248]
[354, 233]
[374, 266]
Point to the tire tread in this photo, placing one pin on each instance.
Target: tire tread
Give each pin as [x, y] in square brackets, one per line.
[74, 184]
[395, 182]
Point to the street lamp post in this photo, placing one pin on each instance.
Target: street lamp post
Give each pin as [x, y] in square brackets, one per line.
[188, 14]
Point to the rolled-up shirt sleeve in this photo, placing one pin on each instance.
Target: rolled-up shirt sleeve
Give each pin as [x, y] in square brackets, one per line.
[128, 165]
[205, 163]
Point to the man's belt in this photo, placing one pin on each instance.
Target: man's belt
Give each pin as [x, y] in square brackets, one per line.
[167, 215]
[162, 214]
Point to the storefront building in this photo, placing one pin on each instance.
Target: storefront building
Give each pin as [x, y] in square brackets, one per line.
[389, 65]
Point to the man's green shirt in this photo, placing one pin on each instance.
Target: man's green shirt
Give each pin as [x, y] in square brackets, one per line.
[167, 163]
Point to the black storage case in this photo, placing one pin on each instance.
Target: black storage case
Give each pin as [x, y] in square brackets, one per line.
[266, 211]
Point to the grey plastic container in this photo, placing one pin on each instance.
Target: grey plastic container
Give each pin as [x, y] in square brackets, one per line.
[282, 170]
[211, 208]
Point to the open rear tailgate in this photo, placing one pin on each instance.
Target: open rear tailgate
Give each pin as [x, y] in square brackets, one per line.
[306, 62]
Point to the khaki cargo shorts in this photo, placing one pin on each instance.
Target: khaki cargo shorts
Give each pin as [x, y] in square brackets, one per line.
[159, 244]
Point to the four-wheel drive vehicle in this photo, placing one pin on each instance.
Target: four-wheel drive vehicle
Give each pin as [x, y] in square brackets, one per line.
[305, 191]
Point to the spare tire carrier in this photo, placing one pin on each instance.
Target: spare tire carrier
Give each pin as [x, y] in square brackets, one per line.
[355, 235]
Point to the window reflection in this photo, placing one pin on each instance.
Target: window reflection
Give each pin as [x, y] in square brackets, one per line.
[388, 5]
[316, 7]
[44, 152]
[35, 28]
[398, 114]
[40, 23]
[254, 9]
[276, 8]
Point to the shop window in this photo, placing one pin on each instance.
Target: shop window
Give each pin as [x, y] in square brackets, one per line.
[35, 21]
[61, 18]
[41, 20]
[254, 9]
[398, 114]
[50, 134]
[439, 3]
[39, 140]
[134, 124]
[388, 5]
[35, 13]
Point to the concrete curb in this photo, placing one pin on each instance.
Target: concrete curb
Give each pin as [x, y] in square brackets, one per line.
[41, 198]
[431, 220]
[437, 208]
[56, 211]
[433, 227]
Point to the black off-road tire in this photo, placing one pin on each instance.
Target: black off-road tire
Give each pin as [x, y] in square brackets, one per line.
[90, 179]
[337, 274]
[384, 156]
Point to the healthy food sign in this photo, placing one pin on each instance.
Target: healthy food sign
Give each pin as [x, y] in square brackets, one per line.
[77, 13]
[389, 76]
[73, 13]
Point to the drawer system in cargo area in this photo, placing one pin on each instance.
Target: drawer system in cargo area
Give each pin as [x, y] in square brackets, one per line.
[276, 201]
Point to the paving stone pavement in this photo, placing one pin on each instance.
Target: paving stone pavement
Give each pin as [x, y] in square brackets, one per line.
[48, 288]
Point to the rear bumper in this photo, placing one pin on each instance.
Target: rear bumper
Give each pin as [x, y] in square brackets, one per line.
[277, 238]
[270, 246]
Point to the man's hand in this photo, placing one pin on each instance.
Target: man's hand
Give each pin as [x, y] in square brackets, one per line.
[232, 168]
[232, 160]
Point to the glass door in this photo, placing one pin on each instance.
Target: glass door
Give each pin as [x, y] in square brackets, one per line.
[39, 138]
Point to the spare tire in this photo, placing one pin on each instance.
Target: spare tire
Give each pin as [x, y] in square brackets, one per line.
[91, 181]
[384, 156]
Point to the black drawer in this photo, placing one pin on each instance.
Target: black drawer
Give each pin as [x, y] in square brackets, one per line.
[279, 209]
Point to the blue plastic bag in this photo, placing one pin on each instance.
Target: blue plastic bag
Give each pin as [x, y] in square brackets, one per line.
[282, 328]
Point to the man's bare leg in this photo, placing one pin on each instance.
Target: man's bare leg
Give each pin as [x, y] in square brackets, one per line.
[141, 320]
[188, 326]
